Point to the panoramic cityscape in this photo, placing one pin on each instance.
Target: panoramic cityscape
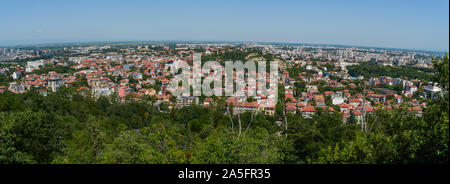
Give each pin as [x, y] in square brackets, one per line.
[171, 92]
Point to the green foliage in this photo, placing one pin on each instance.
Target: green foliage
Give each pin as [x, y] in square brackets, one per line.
[9, 153]
[37, 134]
[130, 147]
[365, 149]
[258, 146]
[373, 70]
[398, 136]
[4, 80]
[435, 149]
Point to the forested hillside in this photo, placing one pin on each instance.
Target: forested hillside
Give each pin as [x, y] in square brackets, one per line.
[373, 70]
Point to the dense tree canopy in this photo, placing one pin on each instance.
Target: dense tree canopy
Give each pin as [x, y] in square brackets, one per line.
[373, 70]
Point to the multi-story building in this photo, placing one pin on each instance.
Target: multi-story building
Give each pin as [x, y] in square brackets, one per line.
[34, 65]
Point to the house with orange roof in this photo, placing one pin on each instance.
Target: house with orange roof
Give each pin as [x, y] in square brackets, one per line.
[345, 108]
[291, 108]
[269, 111]
[358, 116]
[377, 98]
[355, 102]
[149, 92]
[208, 101]
[16, 87]
[320, 100]
[418, 110]
[328, 93]
[308, 111]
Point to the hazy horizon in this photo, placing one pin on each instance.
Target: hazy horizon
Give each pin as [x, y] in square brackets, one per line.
[411, 25]
[44, 44]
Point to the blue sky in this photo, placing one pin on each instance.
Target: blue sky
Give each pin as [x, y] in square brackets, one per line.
[407, 24]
